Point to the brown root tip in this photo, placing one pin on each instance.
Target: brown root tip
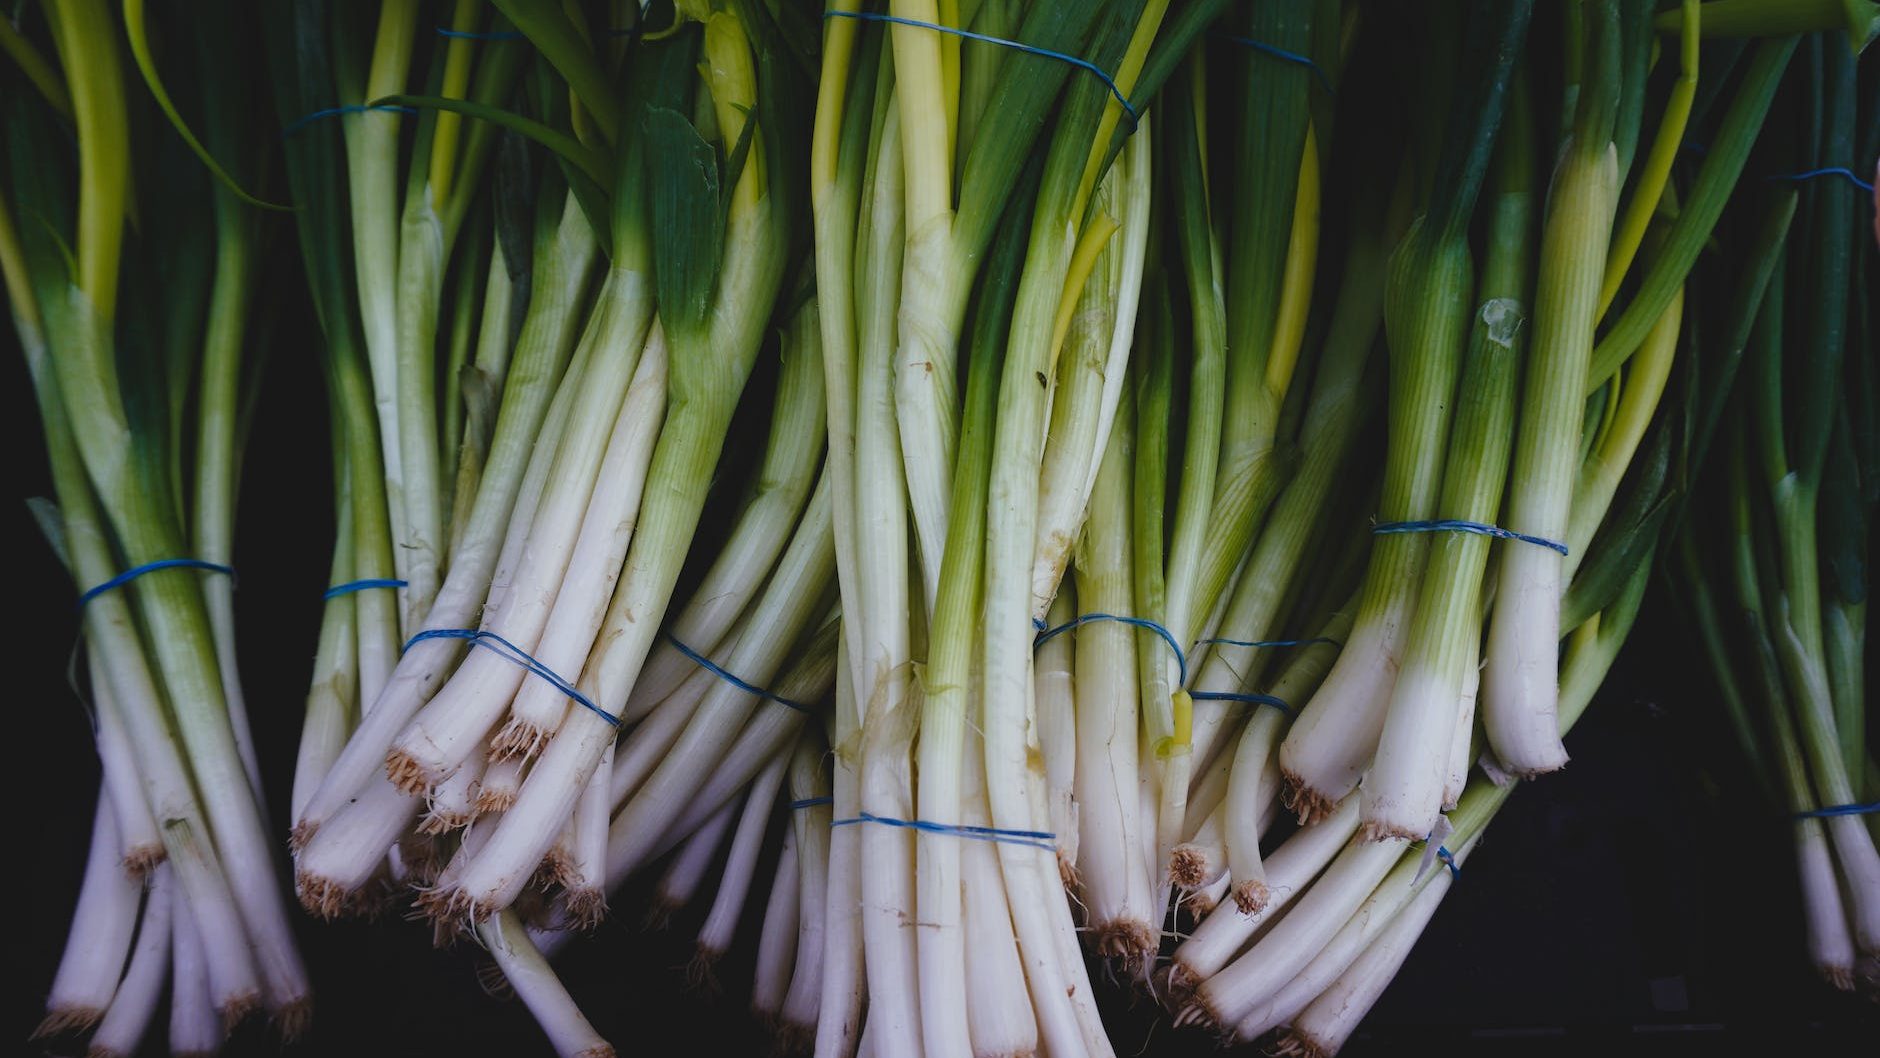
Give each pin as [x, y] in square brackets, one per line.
[1306, 803]
[518, 738]
[1188, 866]
[96, 1051]
[586, 907]
[1067, 873]
[322, 897]
[293, 1018]
[1196, 1013]
[1251, 896]
[494, 982]
[701, 973]
[1841, 977]
[1199, 905]
[1179, 982]
[658, 915]
[437, 824]
[1370, 833]
[599, 1050]
[236, 1009]
[1123, 940]
[1297, 1044]
[494, 799]
[141, 860]
[406, 773]
[452, 911]
[302, 833]
[792, 1037]
[61, 1020]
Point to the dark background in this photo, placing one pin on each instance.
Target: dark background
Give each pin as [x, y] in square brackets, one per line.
[1640, 900]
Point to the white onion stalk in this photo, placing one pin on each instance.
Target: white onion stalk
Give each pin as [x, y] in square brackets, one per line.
[1201, 859]
[447, 729]
[779, 491]
[1824, 914]
[721, 922]
[497, 789]
[679, 886]
[642, 749]
[196, 1028]
[796, 1013]
[332, 869]
[140, 843]
[333, 694]
[582, 869]
[1114, 883]
[777, 940]
[1322, 1028]
[1396, 897]
[562, 266]
[451, 804]
[103, 924]
[844, 981]
[794, 597]
[1520, 692]
[711, 357]
[1289, 870]
[135, 1003]
[768, 734]
[1462, 740]
[1229, 995]
[535, 983]
[1057, 730]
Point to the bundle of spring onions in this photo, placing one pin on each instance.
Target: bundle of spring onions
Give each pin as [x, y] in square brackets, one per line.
[1771, 555]
[133, 276]
[1139, 506]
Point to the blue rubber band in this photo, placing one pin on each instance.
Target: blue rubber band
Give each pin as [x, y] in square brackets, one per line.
[1840, 810]
[810, 802]
[1237, 696]
[151, 567]
[367, 584]
[1457, 525]
[1029, 49]
[1832, 170]
[1271, 642]
[514, 654]
[1037, 839]
[712, 667]
[1181, 659]
[1449, 860]
[330, 112]
[1284, 56]
[458, 34]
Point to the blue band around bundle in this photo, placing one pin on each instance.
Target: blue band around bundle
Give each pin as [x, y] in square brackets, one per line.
[1269, 642]
[810, 802]
[1237, 696]
[1284, 56]
[712, 667]
[1037, 839]
[515, 655]
[1840, 810]
[1457, 525]
[1181, 659]
[1029, 49]
[367, 584]
[1449, 860]
[333, 112]
[151, 567]
[1831, 170]
[460, 34]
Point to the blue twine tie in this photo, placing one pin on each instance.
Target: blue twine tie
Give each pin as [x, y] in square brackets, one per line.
[1832, 170]
[1237, 696]
[514, 654]
[1270, 642]
[1284, 56]
[1029, 49]
[1449, 860]
[1181, 659]
[330, 112]
[367, 584]
[1036, 839]
[1840, 810]
[749, 688]
[1457, 525]
[810, 802]
[151, 567]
